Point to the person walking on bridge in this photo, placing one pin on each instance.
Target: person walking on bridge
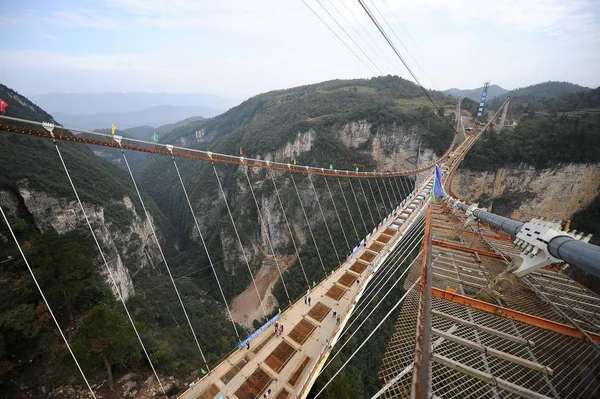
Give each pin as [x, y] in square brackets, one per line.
[308, 301]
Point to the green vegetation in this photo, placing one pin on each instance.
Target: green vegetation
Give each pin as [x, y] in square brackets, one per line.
[544, 139]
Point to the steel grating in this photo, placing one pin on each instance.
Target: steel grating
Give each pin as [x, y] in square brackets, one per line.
[478, 354]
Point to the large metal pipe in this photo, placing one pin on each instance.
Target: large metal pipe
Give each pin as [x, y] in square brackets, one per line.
[580, 254]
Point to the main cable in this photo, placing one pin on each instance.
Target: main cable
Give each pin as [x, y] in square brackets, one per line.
[62, 334]
[110, 273]
[212, 266]
[164, 259]
[340, 39]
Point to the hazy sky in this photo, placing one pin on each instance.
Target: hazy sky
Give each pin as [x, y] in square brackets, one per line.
[238, 48]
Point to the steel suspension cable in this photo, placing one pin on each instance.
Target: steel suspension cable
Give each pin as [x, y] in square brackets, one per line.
[110, 273]
[287, 223]
[212, 266]
[393, 193]
[349, 37]
[367, 203]
[371, 334]
[337, 214]
[384, 277]
[348, 209]
[392, 207]
[358, 207]
[308, 224]
[337, 256]
[400, 193]
[381, 194]
[62, 334]
[387, 267]
[389, 62]
[341, 40]
[372, 310]
[239, 241]
[375, 201]
[357, 32]
[164, 259]
[263, 222]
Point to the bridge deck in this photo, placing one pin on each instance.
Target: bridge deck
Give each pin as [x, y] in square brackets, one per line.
[287, 364]
[476, 353]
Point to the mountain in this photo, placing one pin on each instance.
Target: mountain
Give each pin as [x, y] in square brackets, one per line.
[155, 116]
[97, 103]
[546, 90]
[44, 214]
[475, 94]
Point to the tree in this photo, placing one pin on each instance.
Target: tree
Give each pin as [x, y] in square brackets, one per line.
[105, 338]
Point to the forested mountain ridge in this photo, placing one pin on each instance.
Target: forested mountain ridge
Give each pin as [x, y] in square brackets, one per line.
[42, 210]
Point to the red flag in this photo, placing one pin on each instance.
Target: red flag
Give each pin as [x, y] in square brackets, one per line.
[241, 152]
[3, 106]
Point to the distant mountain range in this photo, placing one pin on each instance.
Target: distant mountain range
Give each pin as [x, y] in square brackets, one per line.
[540, 91]
[154, 116]
[475, 94]
[97, 103]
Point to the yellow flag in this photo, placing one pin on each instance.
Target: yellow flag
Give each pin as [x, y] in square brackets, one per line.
[113, 129]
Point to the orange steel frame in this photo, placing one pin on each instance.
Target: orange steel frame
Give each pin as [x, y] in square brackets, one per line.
[35, 129]
[472, 250]
[471, 233]
[514, 314]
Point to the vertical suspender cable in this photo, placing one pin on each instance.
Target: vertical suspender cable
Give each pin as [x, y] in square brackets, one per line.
[400, 193]
[46, 302]
[381, 194]
[337, 214]
[358, 206]
[239, 241]
[212, 266]
[382, 197]
[405, 185]
[348, 209]
[337, 256]
[287, 223]
[393, 193]
[164, 259]
[308, 224]
[110, 273]
[387, 193]
[375, 201]
[367, 202]
[263, 222]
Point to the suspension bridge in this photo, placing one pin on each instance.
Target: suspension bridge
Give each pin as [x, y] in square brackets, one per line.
[483, 313]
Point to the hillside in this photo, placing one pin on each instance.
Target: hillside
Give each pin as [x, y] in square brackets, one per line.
[475, 94]
[43, 212]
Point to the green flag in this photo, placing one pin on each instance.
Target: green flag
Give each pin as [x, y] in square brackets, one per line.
[294, 161]
[155, 137]
[331, 166]
[357, 168]
[202, 370]
[314, 284]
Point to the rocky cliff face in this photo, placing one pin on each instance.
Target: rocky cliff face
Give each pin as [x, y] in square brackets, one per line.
[129, 247]
[393, 147]
[553, 193]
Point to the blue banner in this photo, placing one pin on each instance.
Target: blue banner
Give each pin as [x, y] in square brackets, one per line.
[255, 333]
[438, 190]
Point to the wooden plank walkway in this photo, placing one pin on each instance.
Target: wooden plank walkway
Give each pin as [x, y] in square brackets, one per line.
[288, 364]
